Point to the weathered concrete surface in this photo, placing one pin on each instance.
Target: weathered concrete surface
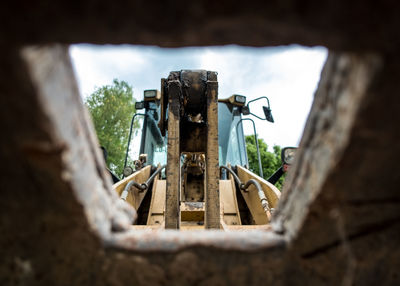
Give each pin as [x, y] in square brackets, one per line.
[338, 221]
[340, 209]
[60, 221]
[336, 24]
[40, 217]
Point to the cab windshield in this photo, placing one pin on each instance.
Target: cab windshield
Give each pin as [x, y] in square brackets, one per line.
[232, 148]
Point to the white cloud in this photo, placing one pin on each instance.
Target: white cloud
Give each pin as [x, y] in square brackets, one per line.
[233, 66]
[287, 75]
[96, 66]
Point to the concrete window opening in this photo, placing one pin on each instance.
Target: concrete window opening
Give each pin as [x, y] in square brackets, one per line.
[337, 222]
[288, 75]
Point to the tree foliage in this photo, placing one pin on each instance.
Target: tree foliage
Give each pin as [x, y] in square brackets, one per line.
[270, 161]
[111, 108]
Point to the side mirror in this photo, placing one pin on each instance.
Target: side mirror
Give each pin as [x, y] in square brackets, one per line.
[268, 114]
[266, 109]
[288, 154]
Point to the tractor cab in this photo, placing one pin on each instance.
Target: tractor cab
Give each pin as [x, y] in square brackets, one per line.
[231, 139]
[192, 171]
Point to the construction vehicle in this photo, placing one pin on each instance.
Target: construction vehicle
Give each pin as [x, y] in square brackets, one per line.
[192, 172]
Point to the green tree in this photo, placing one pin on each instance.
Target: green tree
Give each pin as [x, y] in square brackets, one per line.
[270, 161]
[111, 108]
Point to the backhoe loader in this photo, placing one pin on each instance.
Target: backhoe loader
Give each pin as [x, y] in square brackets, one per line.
[192, 172]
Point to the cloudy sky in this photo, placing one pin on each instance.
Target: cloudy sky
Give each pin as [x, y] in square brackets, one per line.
[288, 76]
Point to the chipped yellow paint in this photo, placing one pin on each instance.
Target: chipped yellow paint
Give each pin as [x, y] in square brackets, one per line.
[252, 199]
[135, 197]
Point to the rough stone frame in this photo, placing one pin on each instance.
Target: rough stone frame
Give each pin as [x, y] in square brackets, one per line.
[61, 223]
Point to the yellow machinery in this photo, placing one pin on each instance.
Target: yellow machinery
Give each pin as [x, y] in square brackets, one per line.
[192, 172]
